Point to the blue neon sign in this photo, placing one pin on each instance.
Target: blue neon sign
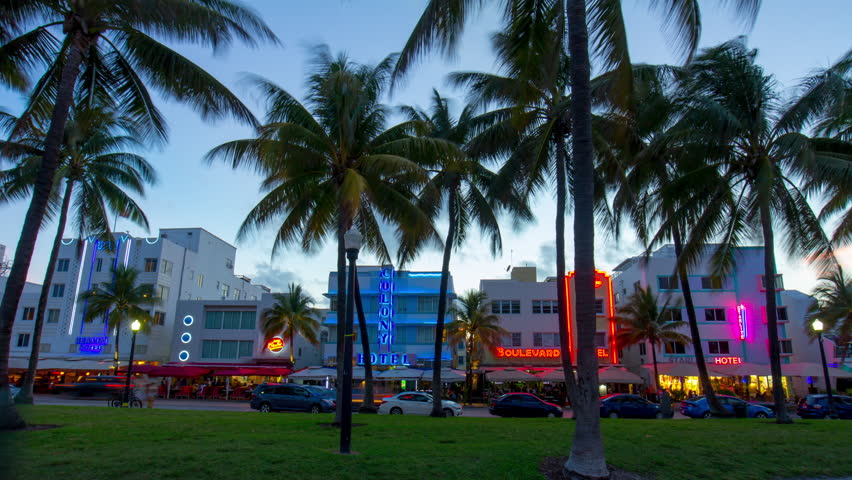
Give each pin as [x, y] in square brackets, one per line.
[385, 326]
[92, 345]
[385, 359]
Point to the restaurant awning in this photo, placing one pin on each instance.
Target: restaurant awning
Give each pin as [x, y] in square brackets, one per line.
[741, 370]
[169, 370]
[617, 375]
[314, 373]
[555, 375]
[400, 373]
[806, 369]
[510, 374]
[448, 375]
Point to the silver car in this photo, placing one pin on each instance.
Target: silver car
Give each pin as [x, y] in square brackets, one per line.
[416, 403]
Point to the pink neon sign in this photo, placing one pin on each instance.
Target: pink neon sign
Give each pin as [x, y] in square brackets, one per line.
[742, 321]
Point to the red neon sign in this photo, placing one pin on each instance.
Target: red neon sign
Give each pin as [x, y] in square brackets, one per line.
[728, 360]
[601, 277]
[602, 353]
[528, 352]
[275, 345]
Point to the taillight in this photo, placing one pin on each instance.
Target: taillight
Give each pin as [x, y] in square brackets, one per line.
[383, 402]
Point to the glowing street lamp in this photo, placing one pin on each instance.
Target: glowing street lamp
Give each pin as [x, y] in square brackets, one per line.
[352, 243]
[135, 326]
[818, 326]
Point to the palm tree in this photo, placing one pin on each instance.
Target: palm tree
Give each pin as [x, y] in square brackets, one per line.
[477, 328]
[333, 164]
[733, 108]
[833, 307]
[120, 301]
[91, 157]
[107, 46]
[468, 188]
[642, 319]
[441, 25]
[293, 314]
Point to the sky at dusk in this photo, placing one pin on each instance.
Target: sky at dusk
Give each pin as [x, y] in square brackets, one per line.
[792, 38]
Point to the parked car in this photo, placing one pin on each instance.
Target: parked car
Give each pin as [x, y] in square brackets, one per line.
[698, 408]
[293, 397]
[94, 385]
[629, 406]
[816, 406]
[417, 403]
[523, 405]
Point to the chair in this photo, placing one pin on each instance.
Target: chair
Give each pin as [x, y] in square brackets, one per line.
[185, 392]
[213, 392]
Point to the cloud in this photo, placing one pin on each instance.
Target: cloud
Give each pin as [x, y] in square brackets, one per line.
[546, 260]
[273, 277]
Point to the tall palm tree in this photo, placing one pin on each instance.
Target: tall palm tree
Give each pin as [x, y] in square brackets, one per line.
[120, 301]
[441, 25]
[293, 314]
[833, 307]
[333, 163]
[467, 188]
[477, 328]
[91, 158]
[107, 45]
[732, 107]
[642, 319]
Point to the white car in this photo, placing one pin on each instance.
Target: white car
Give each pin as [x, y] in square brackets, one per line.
[416, 403]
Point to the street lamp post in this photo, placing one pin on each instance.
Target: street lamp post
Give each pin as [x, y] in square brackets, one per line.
[817, 325]
[352, 242]
[135, 326]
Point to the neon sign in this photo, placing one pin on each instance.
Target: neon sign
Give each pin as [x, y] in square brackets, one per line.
[528, 352]
[742, 321]
[385, 359]
[183, 356]
[275, 345]
[385, 326]
[728, 360]
[91, 344]
[601, 278]
[598, 283]
[602, 353]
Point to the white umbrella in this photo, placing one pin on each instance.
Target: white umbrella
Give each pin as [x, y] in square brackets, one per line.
[448, 375]
[511, 375]
[617, 375]
[400, 373]
[314, 373]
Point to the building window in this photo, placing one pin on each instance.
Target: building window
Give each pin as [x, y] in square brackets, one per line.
[714, 314]
[718, 347]
[225, 290]
[506, 306]
[28, 313]
[62, 265]
[229, 264]
[200, 280]
[58, 290]
[643, 349]
[159, 318]
[333, 304]
[673, 315]
[141, 349]
[782, 314]
[210, 349]
[513, 339]
[324, 336]
[667, 282]
[231, 320]
[545, 306]
[545, 339]
[779, 282]
[246, 348]
[166, 268]
[162, 292]
[711, 283]
[599, 306]
[213, 320]
[99, 264]
[53, 315]
[44, 348]
[785, 347]
[427, 304]
[247, 320]
[23, 339]
[229, 349]
[675, 348]
[425, 334]
[600, 339]
[400, 305]
[150, 264]
[237, 294]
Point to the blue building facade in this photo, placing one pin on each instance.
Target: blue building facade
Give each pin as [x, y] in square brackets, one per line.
[401, 308]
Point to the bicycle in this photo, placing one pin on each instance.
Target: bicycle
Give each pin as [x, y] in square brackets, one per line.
[118, 397]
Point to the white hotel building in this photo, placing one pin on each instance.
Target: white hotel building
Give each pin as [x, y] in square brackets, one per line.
[181, 264]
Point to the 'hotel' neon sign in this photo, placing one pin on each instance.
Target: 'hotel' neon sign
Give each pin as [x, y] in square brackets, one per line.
[742, 321]
[728, 360]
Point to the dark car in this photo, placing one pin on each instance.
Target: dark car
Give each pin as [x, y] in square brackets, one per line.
[293, 397]
[93, 386]
[629, 406]
[698, 408]
[816, 406]
[523, 405]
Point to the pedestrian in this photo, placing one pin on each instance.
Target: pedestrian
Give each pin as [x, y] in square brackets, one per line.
[150, 389]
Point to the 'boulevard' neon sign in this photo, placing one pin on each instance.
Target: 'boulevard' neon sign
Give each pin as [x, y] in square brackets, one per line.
[728, 360]
[528, 352]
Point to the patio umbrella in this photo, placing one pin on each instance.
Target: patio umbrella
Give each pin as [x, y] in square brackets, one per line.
[448, 375]
[314, 373]
[617, 375]
[740, 370]
[400, 373]
[511, 375]
[555, 375]
[675, 369]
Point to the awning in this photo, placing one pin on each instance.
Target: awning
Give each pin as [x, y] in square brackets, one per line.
[617, 375]
[554, 375]
[314, 373]
[806, 369]
[235, 372]
[448, 375]
[169, 371]
[741, 370]
[510, 374]
[400, 373]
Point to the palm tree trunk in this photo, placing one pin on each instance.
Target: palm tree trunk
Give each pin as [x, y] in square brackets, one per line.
[468, 379]
[369, 404]
[695, 335]
[341, 309]
[292, 341]
[117, 338]
[656, 370]
[778, 394]
[437, 406]
[587, 453]
[25, 396]
[9, 416]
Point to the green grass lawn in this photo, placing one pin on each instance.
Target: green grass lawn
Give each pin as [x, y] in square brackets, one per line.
[102, 443]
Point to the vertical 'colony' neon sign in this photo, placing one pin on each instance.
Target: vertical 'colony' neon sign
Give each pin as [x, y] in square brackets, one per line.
[385, 329]
[742, 321]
